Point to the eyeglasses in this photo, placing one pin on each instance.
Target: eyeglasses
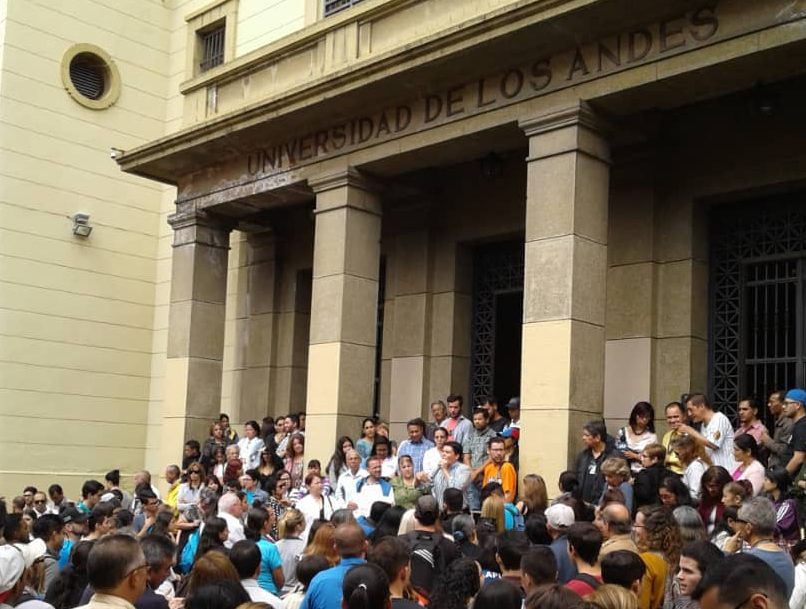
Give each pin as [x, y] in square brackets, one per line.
[194, 471]
[135, 570]
[40, 501]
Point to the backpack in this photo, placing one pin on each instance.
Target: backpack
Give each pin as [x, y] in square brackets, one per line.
[426, 561]
[189, 552]
[519, 524]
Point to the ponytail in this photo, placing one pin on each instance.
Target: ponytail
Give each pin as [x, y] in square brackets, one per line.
[366, 586]
[290, 522]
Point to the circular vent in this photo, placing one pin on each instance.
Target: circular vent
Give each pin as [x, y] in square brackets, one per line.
[90, 76]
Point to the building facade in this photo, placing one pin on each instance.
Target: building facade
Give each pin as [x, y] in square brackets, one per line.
[584, 202]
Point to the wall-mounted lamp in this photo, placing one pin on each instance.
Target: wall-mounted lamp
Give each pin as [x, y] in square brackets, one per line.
[492, 165]
[81, 225]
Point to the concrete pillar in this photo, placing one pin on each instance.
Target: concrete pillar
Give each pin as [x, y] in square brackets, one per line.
[344, 305]
[562, 377]
[451, 313]
[631, 286]
[195, 330]
[410, 365]
[261, 284]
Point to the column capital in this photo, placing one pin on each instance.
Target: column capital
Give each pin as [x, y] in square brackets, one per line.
[350, 176]
[551, 130]
[195, 226]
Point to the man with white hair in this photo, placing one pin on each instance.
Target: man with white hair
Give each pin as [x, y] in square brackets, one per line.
[230, 509]
[346, 488]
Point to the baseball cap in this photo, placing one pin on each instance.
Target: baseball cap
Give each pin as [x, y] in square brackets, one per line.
[31, 551]
[514, 403]
[798, 395]
[559, 516]
[511, 432]
[12, 566]
[72, 514]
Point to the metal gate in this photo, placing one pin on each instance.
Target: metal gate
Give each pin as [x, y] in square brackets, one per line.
[758, 266]
[497, 269]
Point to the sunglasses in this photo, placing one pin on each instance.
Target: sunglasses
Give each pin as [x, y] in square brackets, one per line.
[40, 501]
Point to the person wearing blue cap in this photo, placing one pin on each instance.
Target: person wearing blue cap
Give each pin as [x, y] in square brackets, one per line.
[795, 454]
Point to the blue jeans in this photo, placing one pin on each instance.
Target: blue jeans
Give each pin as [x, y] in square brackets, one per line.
[474, 497]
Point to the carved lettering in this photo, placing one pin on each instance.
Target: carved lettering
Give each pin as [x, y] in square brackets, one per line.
[383, 126]
[705, 23]
[578, 65]
[365, 128]
[612, 54]
[290, 149]
[635, 39]
[541, 74]
[481, 102]
[306, 148]
[671, 34]
[402, 118]
[454, 100]
[511, 83]
[339, 137]
[433, 107]
[321, 142]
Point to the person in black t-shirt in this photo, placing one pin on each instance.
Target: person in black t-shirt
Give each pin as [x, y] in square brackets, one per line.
[392, 555]
[795, 453]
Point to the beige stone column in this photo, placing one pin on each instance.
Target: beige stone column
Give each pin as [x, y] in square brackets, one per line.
[410, 364]
[195, 330]
[261, 284]
[631, 286]
[562, 375]
[344, 305]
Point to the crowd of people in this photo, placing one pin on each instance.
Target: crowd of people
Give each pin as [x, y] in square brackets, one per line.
[706, 516]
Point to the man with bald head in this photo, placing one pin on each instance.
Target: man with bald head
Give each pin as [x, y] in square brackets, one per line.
[325, 589]
[616, 526]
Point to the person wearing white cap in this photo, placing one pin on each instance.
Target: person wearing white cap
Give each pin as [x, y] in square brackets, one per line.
[15, 561]
[33, 576]
[558, 518]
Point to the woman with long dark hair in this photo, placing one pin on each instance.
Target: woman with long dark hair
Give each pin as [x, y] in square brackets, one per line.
[258, 525]
[748, 467]
[638, 433]
[337, 464]
[250, 446]
[776, 484]
[457, 586]
[213, 536]
[711, 507]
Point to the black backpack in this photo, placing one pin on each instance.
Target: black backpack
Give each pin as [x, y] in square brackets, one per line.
[426, 562]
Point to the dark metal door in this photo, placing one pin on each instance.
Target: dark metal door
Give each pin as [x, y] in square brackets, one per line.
[497, 271]
[758, 266]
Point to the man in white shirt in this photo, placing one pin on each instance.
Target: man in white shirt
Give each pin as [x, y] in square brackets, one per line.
[716, 433]
[230, 509]
[245, 557]
[345, 489]
[371, 489]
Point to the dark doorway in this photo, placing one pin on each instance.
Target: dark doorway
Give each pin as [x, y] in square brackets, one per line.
[758, 276]
[508, 327]
[497, 320]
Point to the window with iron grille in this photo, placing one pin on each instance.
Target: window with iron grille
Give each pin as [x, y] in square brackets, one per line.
[212, 48]
[334, 6]
[758, 274]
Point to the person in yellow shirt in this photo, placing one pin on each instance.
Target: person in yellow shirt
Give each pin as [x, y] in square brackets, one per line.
[173, 478]
[674, 418]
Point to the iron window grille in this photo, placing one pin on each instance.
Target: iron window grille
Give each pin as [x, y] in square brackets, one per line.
[334, 6]
[212, 49]
[758, 271]
[497, 269]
